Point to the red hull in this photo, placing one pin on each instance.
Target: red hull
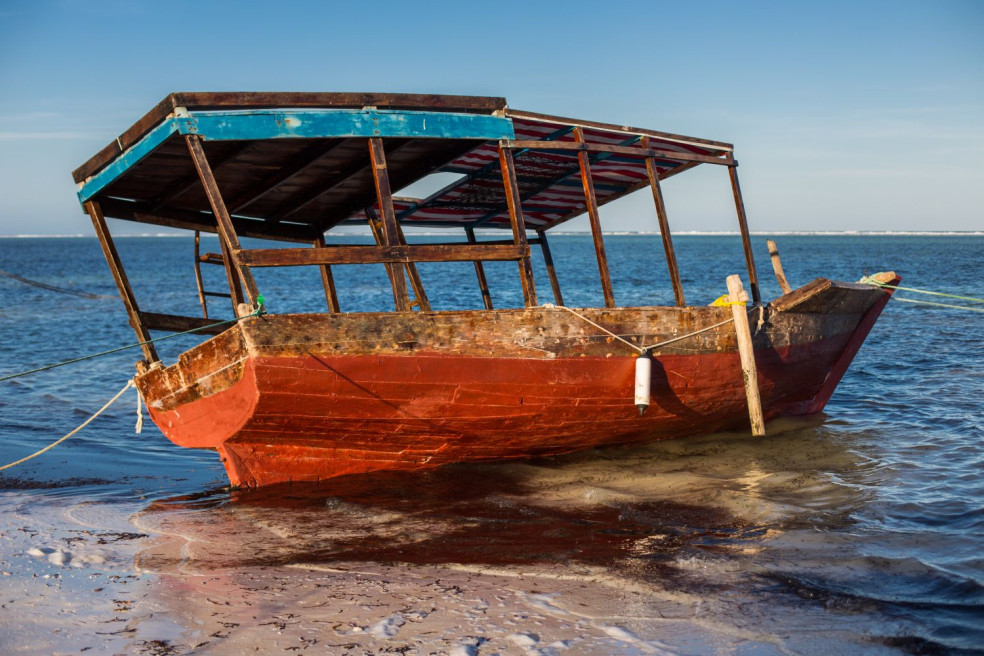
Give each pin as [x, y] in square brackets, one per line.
[282, 400]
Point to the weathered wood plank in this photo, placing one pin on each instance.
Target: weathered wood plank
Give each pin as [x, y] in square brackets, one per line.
[679, 138]
[268, 257]
[176, 323]
[332, 123]
[171, 217]
[738, 299]
[627, 151]
[777, 267]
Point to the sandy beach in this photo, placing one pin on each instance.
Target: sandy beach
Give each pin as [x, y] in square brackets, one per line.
[652, 551]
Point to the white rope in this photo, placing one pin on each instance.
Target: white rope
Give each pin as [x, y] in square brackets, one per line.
[640, 349]
[128, 385]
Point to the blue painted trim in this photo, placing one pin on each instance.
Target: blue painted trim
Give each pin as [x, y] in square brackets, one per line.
[129, 158]
[304, 124]
[338, 123]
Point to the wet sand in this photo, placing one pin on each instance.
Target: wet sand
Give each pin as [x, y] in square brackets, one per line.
[667, 549]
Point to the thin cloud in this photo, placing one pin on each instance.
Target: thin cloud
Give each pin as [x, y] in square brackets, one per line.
[48, 136]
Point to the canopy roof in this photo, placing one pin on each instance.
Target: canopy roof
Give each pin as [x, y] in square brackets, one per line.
[294, 165]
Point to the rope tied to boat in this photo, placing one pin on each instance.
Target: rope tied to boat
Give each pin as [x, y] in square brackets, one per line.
[723, 301]
[85, 423]
[60, 290]
[643, 350]
[870, 280]
[259, 311]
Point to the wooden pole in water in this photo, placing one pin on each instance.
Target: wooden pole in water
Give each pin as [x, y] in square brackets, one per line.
[739, 299]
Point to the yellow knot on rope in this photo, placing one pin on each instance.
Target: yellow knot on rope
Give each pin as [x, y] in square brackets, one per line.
[722, 301]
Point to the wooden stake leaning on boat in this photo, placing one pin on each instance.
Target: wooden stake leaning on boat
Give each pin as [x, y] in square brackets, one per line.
[777, 267]
[738, 299]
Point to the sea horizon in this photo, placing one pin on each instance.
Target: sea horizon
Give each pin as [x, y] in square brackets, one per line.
[681, 233]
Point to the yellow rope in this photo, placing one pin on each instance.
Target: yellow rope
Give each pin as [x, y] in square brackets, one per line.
[723, 301]
[113, 400]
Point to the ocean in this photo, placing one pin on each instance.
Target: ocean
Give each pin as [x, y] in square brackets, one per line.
[857, 531]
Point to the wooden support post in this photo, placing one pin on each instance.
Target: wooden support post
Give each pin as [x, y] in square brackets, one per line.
[418, 286]
[235, 286]
[746, 239]
[198, 273]
[739, 299]
[777, 267]
[94, 211]
[483, 283]
[515, 203]
[664, 227]
[327, 279]
[384, 197]
[227, 233]
[592, 206]
[394, 270]
[551, 271]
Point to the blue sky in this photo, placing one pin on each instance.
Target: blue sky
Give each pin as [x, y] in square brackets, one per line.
[844, 115]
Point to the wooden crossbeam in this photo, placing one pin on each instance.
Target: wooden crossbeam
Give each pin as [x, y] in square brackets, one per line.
[625, 151]
[272, 257]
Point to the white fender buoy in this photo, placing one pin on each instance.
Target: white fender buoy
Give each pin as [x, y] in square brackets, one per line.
[643, 376]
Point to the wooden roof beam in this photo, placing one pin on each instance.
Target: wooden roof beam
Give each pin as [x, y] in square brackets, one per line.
[576, 169]
[171, 217]
[193, 181]
[289, 170]
[471, 175]
[640, 153]
[399, 179]
[358, 166]
[622, 129]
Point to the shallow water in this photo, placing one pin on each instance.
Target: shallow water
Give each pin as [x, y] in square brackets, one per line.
[858, 531]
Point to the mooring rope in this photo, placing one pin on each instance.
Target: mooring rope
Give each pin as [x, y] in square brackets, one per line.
[61, 290]
[946, 305]
[641, 349]
[85, 423]
[869, 280]
[255, 313]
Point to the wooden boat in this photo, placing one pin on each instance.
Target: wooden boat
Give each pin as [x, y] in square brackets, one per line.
[305, 397]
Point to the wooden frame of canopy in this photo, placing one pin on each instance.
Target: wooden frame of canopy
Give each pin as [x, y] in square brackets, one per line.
[466, 124]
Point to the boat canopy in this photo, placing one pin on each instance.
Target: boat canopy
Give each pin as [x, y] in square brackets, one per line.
[291, 166]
